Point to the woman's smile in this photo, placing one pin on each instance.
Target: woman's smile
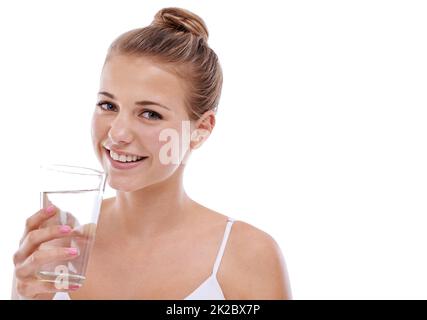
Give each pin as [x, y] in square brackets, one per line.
[120, 165]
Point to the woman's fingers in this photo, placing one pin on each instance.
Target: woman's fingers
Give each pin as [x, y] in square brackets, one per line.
[41, 257]
[45, 241]
[33, 288]
[37, 219]
[36, 237]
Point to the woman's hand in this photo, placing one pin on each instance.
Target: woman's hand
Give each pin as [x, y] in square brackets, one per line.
[31, 255]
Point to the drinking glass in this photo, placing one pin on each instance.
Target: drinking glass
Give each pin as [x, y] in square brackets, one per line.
[77, 193]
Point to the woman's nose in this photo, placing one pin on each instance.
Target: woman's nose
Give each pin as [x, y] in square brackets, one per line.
[120, 132]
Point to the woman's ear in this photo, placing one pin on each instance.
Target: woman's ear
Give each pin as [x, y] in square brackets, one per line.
[198, 137]
[203, 129]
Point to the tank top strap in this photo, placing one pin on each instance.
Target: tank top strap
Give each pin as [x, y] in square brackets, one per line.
[222, 247]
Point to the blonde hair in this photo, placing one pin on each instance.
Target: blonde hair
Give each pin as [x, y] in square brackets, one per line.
[179, 38]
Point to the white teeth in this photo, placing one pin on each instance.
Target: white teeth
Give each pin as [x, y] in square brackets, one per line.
[123, 158]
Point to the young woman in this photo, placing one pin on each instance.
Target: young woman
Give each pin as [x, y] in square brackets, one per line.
[153, 241]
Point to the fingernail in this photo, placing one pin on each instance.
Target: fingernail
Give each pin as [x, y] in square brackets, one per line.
[73, 286]
[49, 210]
[65, 229]
[72, 251]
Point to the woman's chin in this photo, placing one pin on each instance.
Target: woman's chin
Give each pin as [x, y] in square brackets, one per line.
[122, 185]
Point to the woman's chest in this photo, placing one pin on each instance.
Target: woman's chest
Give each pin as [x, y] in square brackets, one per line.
[170, 270]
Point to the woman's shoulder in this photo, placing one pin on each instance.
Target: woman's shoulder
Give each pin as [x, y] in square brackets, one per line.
[256, 264]
[252, 243]
[246, 231]
[243, 235]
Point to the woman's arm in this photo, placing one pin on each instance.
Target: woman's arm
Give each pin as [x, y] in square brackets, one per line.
[271, 279]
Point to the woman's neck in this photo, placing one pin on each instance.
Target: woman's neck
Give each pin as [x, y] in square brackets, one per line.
[152, 212]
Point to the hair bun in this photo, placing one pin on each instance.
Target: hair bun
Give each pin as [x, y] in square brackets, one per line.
[181, 20]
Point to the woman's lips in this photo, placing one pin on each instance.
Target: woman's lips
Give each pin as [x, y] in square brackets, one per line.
[123, 165]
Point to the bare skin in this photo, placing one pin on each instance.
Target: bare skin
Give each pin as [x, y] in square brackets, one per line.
[153, 241]
[165, 266]
[172, 266]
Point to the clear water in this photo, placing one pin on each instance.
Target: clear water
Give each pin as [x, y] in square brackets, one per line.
[79, 209]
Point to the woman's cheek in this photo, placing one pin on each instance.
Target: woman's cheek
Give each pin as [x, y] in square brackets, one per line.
[165, 143]
[154, 144]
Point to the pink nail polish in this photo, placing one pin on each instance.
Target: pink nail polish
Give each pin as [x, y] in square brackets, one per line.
[73, 287]
[72, 251]
[65, 229]
[49, 210]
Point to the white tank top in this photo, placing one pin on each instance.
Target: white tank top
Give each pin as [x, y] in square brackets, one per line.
[208, 290]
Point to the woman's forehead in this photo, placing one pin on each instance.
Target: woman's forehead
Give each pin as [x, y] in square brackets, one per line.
[138, 76]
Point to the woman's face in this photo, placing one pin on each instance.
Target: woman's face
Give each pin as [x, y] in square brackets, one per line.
[140, 111]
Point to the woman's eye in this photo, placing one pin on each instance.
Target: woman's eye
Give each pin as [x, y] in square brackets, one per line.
[100, 104]
[148, 114]
[152, 115]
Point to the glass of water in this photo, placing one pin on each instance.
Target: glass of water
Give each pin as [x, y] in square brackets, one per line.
[77, 194]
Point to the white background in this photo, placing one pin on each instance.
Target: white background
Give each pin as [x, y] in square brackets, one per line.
[320, 138]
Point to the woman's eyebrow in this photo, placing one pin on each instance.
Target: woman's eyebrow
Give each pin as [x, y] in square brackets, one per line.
[140, 103]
